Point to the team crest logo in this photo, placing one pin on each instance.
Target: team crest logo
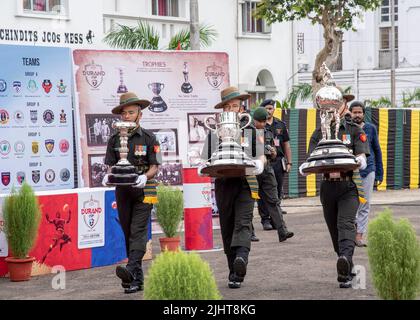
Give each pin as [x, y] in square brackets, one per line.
[17, 85]
[20, 176]
[3, 85]
[19, 116]
[64, 145]
[35, 147]
[49, 175]
[214, 75]
[61, 87]
[4, 116]
[140, 150]
[91, 212]
[19, 147]
[5, 178]
[48, 116]
[32, 86]
[34, 116]
[36, 176]
[63, 117]
[65, 175]
[49, 145]
[4, 147]
[346, 139]
[206, 192]
[94, 74]
[47, 85]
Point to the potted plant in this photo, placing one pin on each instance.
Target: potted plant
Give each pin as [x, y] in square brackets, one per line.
[169, 211]
[22, 216]
[180, 276]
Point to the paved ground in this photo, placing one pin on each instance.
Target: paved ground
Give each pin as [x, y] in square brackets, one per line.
[300, 268]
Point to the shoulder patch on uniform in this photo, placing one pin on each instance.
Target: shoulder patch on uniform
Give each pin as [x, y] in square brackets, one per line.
[363, 137]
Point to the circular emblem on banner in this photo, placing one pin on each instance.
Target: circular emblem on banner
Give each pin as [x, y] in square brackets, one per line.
[48, 116]
[19, 116]
[64, 146]
[19, 147]
[65, 174]
[49, 175]
[20, 176]
[3, 85]
[4, 147]
[4, 116]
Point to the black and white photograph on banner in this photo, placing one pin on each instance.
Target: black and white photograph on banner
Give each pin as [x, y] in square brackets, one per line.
[197, 131]
[97, 169]
[170, 173]
[99, 128]
[194, 154]
[168, 139]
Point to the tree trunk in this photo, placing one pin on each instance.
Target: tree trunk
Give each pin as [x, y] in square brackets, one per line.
[329, 54]
[194, 26]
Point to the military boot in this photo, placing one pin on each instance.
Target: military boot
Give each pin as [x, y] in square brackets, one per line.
[131, 275]
[233, 282]
[284, 234]
[240, 263]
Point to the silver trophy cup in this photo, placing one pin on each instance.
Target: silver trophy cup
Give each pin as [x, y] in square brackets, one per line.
[123, 173]
[331, 154]
[157, 104]
[229, 160]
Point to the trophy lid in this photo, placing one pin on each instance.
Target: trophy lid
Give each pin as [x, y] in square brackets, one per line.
[328, 97]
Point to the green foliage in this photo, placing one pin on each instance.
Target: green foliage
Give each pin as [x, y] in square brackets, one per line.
[180, 276]
[382, 102]
[22, 216]
[411, 99]
[394, 257]
[207, 35]
[337, 13]
[169, 209]
[302, 91]
[143, 36]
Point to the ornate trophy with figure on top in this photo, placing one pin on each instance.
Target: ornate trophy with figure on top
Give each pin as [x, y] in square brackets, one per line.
[186, 86]
[122, 88]
[331, 154]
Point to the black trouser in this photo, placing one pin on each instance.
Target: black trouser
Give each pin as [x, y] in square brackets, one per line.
[340, 203]
[269, 203]
[279, 173]
[134, 217]
[236, 207]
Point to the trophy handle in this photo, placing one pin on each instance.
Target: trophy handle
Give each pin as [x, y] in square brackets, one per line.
[206, 119]
[163, 86]
[242, 115]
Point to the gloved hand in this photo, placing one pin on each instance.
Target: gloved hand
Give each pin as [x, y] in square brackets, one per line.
[361, 160]
[302, 166]
[105, 180]
[259, 167]
[141, 181]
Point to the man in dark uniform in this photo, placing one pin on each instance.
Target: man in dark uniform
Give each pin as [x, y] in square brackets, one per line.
[283, 161]
[339, 195]
[234, 199]
[267, 184]
[133, 212]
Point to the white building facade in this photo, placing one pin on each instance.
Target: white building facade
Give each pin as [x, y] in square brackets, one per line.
[260, 56]
[365, 59]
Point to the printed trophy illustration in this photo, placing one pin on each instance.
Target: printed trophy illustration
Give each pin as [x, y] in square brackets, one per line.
[331, 154]
[157, 104]
[122, 87]
[186, 86]
[229, 160]
[123, 173]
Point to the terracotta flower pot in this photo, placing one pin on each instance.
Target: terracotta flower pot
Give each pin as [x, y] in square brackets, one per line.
[19, 269]
[170, 244]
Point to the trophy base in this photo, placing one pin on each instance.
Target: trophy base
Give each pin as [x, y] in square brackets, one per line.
[330, 165]
[186, 88]
[158, 105]
[227, 170]
[122, 176]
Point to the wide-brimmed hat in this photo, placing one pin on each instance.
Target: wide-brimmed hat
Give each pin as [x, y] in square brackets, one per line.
[231, 93]
[128, 99]
[348, 96]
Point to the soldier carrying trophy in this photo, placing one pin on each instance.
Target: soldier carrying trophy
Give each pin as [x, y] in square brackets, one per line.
[338, 149]
[134, 154]
[231, 156]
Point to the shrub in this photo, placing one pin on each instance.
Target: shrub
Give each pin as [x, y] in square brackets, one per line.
[22, 216]
[169, 209]
[394, 257]
[180, 276]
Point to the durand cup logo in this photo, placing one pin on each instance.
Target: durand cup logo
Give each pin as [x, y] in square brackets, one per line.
[91, 212]
[94, 74]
